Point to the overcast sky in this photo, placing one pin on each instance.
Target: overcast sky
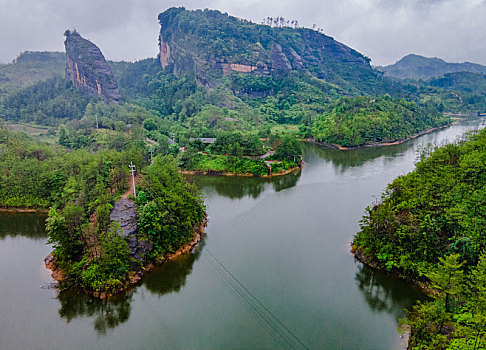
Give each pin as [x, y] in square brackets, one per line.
[384, 30]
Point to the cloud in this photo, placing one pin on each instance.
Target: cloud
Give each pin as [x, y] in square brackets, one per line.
[384, 30]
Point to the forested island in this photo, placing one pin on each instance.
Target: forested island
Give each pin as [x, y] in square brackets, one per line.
[429, 227]
[103, 237]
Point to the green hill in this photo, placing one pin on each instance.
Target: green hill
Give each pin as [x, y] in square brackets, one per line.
[429, 226]
[420, 67]
[215, 73]
[29, 68]
[474, 83]
[363, 121]
[213, 46]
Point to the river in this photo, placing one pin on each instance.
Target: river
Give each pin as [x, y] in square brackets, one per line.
[273, 272]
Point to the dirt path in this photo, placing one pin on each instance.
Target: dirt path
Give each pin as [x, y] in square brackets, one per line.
[130, 187]
[268, 154]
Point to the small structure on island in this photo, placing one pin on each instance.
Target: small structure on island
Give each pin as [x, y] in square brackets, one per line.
[205, 140]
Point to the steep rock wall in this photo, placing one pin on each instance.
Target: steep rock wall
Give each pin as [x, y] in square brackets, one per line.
[209, 45]
[86, 67]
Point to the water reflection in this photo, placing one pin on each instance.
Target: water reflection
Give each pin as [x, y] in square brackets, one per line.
[108, 314]
[30, 225]
[346, 159]
[385, 294]
[171, 276]
[235, 187]
[287, 181]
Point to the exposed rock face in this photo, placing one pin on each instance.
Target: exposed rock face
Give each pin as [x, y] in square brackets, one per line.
[164, 52]
[280, 62]
[242, 68]
[124, 212]
[209, 45]
[297, 62]
[87, 69]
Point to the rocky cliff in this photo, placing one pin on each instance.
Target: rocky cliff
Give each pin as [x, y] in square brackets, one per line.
[87, 69]
[210, 45]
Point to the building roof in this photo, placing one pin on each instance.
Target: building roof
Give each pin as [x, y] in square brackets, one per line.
[203, 139]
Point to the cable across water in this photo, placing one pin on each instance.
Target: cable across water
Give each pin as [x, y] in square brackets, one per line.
[252, 304]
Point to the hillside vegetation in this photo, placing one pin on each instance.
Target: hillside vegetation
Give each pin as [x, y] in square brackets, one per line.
[435, 215]
[81, 186]
[208, 42]
[370, 120]
[474, 83]
[29, 68]
[216, 73]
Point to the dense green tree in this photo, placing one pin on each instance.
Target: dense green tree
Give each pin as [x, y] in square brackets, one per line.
[366, 120]
[174, 207]
[434, 325]
[448, 278]
[477, 295]
[47, 102]
[149, 124]
[63, 136]
[288, 148]
[429, 226]
[66, 241]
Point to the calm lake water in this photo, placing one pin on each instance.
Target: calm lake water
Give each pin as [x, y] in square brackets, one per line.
[273, 272]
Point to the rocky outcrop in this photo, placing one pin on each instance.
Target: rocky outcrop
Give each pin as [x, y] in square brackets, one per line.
[242, 68]
[296, 60]
[87, 69]
[280, 62]
[210, 45]
[125, 214]
[164, 53]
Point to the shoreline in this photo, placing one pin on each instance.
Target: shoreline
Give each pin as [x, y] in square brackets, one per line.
[405, 330]
[380, 144]
[223, 173]
[24, 210]
[134, 276]
[422, 286]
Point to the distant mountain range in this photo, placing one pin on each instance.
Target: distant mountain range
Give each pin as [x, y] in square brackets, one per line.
[420, 67]
[214, 69]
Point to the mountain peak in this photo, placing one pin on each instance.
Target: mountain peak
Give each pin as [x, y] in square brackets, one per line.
[414, 66]
[211, 45]
[86, 67]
